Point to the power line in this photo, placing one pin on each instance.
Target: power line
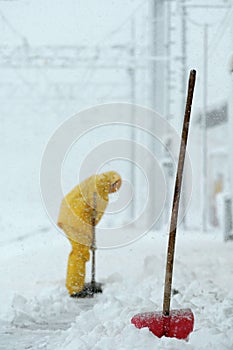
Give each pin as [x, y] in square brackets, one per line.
[12, 28]
[89, 71]
[220, 31]
[124, 22]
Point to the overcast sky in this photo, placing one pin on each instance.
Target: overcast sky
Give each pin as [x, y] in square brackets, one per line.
[90, 22]
[66, 22]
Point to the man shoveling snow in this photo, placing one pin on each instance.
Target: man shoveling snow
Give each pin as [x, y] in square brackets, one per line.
[76, 220]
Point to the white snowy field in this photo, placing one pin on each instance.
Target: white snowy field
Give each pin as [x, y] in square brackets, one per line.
[37, 313]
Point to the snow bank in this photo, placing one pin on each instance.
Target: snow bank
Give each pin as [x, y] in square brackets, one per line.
[133, 278]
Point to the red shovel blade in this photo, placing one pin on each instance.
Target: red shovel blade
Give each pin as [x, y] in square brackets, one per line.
[179, 324]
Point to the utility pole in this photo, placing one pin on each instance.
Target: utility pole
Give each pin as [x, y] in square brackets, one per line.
[184, 53]
[132, 74]
[167, 101]
[158, 81]
[183, 100]
[167, 163]
[204, 127]
[158, 48]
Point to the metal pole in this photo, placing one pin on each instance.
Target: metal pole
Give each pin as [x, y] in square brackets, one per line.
[93, 246]
[157, 86]
[184, 51]
[183, 78]
[132, 74]
[204, 127]
[167, 107]
[167, 101]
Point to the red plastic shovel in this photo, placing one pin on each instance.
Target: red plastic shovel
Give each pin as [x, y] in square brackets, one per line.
[174, 323]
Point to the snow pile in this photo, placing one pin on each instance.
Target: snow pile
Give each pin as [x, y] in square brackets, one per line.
[133, 278]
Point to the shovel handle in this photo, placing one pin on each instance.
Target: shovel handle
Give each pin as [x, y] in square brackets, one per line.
[93, 246]
[176, 198]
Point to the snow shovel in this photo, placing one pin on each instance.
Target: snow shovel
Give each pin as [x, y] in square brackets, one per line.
[93, 287]
[172, 323]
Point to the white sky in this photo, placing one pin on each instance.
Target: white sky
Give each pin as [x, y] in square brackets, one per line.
[67, 22]
[90, 22]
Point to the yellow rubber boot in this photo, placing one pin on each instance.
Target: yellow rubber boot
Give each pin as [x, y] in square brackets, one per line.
[76, 270]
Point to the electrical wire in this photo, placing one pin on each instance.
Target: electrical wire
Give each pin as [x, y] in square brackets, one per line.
[225, 23]
[13, 29]
[90, 71]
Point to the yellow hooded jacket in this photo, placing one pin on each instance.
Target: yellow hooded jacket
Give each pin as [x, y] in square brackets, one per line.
[76, 211]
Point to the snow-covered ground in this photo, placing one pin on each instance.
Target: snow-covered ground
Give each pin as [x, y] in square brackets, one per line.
[36, 312]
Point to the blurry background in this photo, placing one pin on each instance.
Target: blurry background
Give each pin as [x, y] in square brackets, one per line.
[59, 57]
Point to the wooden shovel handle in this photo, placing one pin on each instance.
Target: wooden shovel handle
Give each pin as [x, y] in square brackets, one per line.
[176, 198]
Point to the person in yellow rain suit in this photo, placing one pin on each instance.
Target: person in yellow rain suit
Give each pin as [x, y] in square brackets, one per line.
[76, 219]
